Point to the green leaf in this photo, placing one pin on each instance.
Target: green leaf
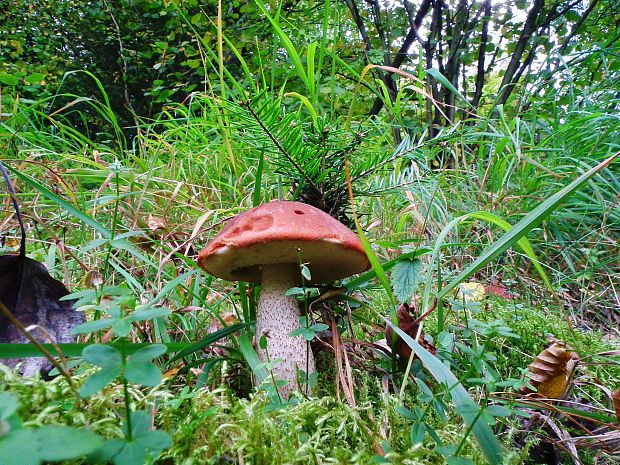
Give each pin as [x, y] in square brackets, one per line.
[318, 327]
[34, 78]
[64, 443]
[296, 332]
[149, 314]
[132, 453]
[8, 405]
[149, 353]
[144, 373]
[92, 326]
[460, 397]
[8, 79]
[102, 355]
[106, 452]
[418, 430]
[31, 446]
[97, 381]
[122, 327]
[18, 448]
[405, 278]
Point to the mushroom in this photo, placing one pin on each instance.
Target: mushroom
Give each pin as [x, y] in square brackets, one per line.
[265, 245]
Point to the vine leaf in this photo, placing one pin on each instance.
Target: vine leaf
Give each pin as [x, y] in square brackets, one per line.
[552, 370]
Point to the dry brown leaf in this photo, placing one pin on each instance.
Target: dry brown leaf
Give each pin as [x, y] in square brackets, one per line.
[155, 222]
[172, 372]
[408, 324]
[551, 371]
[616, 398]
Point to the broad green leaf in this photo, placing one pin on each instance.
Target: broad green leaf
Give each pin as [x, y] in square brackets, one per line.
[102, 355]
[106, 452]
[132, 453]
[418, 430]
[8, 79]
[64, 443]
[97, 381]
[8, 405]
[149, 353]
[18, 448]
[405, 278]
[144, 373]
[34, 78]
[32, 446]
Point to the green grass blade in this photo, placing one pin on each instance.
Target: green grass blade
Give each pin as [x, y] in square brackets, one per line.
[288, 45]
[435, 74]
[524, 243]
[529, 222]
[74, 349]
[250, 355]
[208, 340]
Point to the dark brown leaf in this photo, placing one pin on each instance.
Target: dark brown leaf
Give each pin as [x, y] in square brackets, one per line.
[32, 296]
[410, 325]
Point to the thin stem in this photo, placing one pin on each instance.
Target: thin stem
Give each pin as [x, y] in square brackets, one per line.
[9, 185]
[126, 391]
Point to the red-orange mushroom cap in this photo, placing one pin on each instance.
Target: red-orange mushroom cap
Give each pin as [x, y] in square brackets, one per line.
[282, 232]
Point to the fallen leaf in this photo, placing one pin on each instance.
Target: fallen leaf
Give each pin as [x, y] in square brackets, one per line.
[616, 398]
[498, 290]
[551, 371]
[155, 222]
[471, 292]
[408, 324]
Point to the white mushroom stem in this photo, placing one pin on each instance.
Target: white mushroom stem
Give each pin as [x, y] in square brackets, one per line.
[276, 317]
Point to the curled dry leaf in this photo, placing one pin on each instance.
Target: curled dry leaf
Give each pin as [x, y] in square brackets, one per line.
[410, 325]
[552, 370]
[155, 222]
[93, 279]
